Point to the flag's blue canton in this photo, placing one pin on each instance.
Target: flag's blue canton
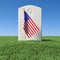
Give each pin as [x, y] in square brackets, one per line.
[26, 18]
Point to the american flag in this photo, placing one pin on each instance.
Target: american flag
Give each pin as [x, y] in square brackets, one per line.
[30, 27]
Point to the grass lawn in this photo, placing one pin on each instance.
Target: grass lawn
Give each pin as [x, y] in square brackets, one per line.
[47, 49]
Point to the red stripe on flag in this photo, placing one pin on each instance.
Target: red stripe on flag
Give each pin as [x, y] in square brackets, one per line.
[34, 26]
[30, 28]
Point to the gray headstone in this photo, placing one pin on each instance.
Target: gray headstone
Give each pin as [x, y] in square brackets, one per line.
[35, 13]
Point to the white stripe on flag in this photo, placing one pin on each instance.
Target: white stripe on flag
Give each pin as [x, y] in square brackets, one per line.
[30, 28]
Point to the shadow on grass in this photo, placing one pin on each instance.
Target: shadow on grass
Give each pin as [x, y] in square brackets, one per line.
[48, 40]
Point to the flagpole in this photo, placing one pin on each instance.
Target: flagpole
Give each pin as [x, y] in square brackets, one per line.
[24, 17]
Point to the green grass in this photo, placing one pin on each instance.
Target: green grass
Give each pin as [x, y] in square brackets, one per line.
[12, 49]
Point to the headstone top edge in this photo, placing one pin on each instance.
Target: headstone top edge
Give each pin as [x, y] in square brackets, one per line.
[29, 6]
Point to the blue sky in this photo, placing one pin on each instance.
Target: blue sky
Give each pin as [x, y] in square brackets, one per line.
[50, 16]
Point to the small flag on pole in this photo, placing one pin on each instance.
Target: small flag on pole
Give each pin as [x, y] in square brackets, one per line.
[30, 27]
